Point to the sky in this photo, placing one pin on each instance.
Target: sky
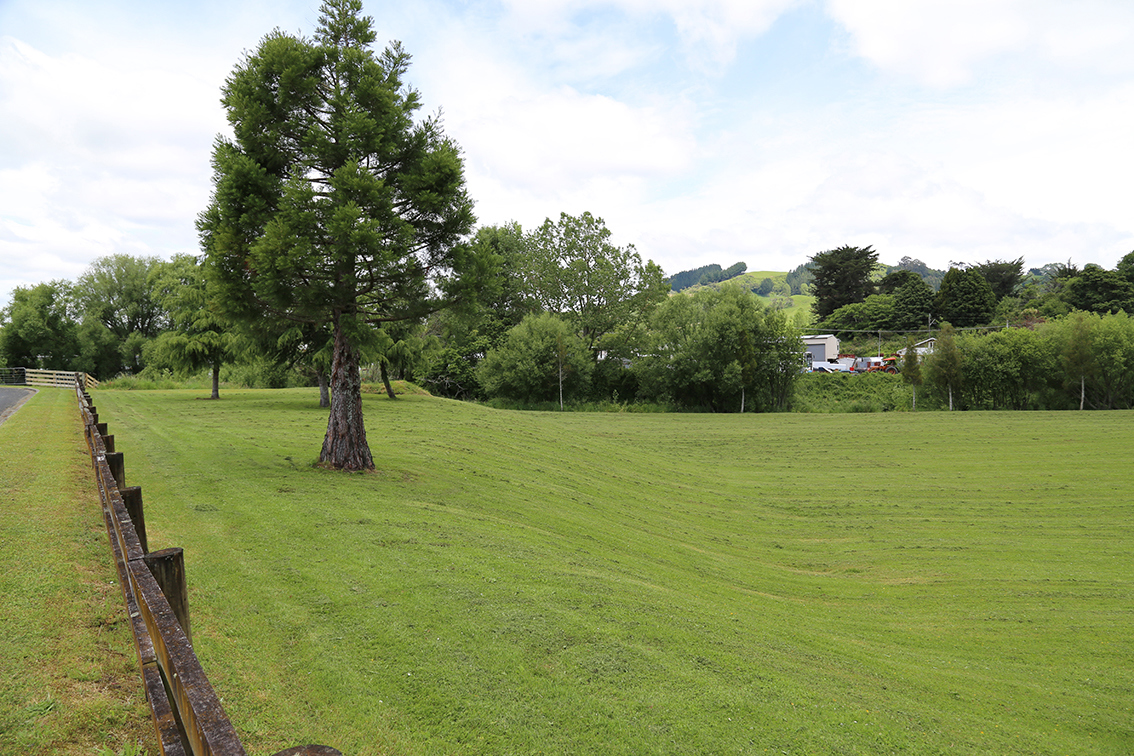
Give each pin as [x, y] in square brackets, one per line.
[701, 131]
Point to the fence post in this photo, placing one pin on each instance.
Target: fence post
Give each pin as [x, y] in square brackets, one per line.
[168, 568]
[132, 499]
[117, 468]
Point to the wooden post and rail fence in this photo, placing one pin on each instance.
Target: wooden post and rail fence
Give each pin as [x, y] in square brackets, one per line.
[20, 376]
[187, 713]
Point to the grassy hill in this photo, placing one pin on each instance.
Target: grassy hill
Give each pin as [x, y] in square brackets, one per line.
[626, 584]
[800, 309]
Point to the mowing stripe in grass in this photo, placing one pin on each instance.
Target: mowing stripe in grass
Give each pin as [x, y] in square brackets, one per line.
[68, 674]
[571, 583]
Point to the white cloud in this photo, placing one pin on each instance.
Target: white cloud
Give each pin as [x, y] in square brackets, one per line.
[980, 129]
[946, 43]
[709, 30]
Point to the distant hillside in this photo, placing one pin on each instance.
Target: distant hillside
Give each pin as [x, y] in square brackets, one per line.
[762, 282]
[706, 274]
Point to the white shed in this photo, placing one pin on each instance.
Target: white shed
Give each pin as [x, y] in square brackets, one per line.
[822, 348]
[922, 348]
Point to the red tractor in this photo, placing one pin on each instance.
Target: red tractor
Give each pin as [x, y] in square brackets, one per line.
[876, 365]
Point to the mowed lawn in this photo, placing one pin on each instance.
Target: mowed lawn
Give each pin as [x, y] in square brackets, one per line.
[525, 583]
[69, 681]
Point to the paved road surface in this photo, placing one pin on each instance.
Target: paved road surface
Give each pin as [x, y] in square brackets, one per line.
[11, 397]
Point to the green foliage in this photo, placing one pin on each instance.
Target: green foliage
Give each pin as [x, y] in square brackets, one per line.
[117, 291]
[576, 272]
[847, 392]
[1006, 369]
[945, 366]
[1125, 267]
[719, 350]
[461, 336]
[895, 279]
[927, 274]
[334, 204]
[911, 369]
[913, 304]
[718, 275]
[876, 313]
[201, 337]
[38, 330]
[906, 307]
[1097, 356]
[800, 279]
[687, 278]
[1004, 276]
[540, 360]
[1082, 360]
[965, 298]
[842, 276]
[1099, 290]
[121, 313]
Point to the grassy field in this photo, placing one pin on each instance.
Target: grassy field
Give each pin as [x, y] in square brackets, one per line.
[525, 583]
[69, 681]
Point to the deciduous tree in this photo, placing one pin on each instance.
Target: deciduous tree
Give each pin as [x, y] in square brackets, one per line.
[1077, 354]
[1096, 289]
[38, 329]
[946, 364]
[911, 369]
[120, 312]
[720, 350]
[539, 360]
[578, 273]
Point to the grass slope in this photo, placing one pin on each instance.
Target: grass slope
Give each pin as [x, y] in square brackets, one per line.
[514, 583]
[69, 682]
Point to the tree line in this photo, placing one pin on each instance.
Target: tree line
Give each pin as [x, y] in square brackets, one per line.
[852, 296]
[340, 232]
[1082, 360]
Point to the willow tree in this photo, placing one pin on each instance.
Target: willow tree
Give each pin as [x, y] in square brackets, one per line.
[334, 202]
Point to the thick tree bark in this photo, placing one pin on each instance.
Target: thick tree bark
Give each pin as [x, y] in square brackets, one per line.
[216, 380]
[324, 393]
[345, 447]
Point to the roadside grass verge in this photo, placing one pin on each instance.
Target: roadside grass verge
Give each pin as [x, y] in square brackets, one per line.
[513, 583]
[69, 682]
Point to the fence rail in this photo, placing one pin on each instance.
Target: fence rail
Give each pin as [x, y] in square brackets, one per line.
[21, 376]
[187, 714]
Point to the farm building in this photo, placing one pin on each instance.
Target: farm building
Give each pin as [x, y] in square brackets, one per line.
[922, 348]
[822, 348]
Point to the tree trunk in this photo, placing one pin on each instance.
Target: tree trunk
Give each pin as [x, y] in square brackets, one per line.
[216, 380]
[1082, 391]
[345, 447]
[914, 397]
[324, 394]
[386, 380]
[950, 398]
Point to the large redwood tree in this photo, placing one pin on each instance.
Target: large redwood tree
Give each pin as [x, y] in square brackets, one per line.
[334, 202]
